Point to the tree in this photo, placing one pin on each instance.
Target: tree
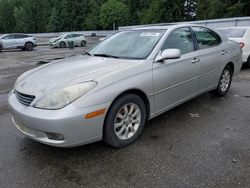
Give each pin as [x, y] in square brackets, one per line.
[163, 11]
[190, 9]
[55, 21]
[75, 15]
[114, 11]
[92, 18]
[7, 18]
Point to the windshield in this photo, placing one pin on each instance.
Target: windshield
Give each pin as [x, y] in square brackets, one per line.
[233, 32]
[136, 44]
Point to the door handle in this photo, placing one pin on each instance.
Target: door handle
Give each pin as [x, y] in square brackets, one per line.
[224, 52]
[195, 60]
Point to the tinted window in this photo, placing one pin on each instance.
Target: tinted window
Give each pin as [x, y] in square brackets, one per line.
[19, 36]
[9, 37]
[206, 38]
[69, 36]
[180, 39]
[76, 35]
[233, 32]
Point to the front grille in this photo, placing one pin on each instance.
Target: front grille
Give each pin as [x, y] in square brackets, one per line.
[24, 98]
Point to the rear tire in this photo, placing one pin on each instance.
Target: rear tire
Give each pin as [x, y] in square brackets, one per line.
[248, 62]
[1, 48]
[224, 82]
[62, 45]
[29, 46]
[125, 121]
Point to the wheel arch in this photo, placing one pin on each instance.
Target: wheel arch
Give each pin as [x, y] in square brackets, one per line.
[231, 65]
[137, 92]
[29, 42]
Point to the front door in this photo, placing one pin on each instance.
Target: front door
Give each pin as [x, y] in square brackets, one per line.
[176, 80]
[9, 41]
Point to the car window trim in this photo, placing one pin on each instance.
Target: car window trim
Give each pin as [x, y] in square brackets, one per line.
[198, 47]
[172, 32]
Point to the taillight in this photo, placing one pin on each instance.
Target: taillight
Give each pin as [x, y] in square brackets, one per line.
[242, 44]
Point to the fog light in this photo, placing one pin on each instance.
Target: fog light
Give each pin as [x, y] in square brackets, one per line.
[53, 136]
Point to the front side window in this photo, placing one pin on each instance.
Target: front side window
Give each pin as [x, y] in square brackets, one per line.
[68, 36]
[134, 44]
[9, 37]
[180, 39]
[206, 38]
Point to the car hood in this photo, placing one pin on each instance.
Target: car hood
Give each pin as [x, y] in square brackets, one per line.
[54, 39]
[68, 71]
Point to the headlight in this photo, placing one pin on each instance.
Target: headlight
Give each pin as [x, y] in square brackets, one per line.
[60, 98]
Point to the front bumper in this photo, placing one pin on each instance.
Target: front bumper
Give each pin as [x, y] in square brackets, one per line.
[66, 127]
[54, 45]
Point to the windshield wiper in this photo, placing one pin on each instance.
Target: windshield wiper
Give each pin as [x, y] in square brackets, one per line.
[106, 55]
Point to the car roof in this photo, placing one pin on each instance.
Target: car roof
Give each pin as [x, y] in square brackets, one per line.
[158, 26]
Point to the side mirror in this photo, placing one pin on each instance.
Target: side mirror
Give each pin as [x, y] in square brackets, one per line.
[168, 54]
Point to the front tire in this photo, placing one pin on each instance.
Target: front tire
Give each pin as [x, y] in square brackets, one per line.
[83, 43]
[125, 121]
[248, 62]
[62, 45]
[29, 46]
[1, 48]
[225, 81]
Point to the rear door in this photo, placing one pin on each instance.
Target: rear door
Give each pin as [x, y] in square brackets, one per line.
[176, 80]
[212, 54]
[20, 40]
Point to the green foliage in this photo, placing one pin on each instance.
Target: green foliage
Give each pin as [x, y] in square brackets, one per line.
[7, 23]
[114, 11]
[72, 15]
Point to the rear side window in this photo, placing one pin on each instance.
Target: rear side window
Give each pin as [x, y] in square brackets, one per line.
[180, 39]
[21, 36]
[233, 32]
[206, 38]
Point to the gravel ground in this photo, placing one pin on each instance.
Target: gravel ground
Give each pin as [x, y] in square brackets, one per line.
[202, 143]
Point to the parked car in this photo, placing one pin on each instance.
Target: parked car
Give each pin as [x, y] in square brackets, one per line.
[21, 41]
[241, 35]
[63, 40]
[130, 77]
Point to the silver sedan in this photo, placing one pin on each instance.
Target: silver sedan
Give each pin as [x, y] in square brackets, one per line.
[113, 89]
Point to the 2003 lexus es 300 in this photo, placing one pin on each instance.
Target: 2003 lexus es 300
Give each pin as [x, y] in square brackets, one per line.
[132, 76]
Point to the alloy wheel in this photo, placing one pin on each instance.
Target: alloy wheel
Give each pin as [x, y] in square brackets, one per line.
[127, 121]
[225, 80]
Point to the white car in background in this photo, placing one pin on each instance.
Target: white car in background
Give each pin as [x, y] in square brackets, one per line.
[19, 41]
[63, 40]
[241, 35]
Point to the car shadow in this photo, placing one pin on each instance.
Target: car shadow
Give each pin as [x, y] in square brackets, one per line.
[16, 50]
